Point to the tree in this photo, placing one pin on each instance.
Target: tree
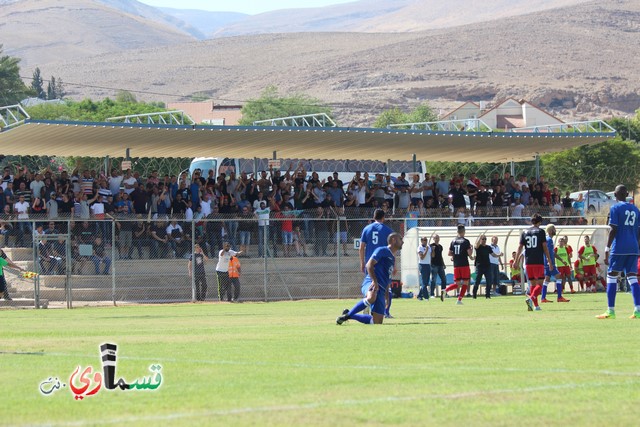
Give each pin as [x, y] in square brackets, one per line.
[36, 85]
[600, 166]
[125, 97]
[55, 89]
[12, 88]
[271, 105]
[422, 113]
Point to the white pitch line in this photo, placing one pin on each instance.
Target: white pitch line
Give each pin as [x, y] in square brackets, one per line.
[343, 403]
[354, 367]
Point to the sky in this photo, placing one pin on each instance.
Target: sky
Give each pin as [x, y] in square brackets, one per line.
[251, 7]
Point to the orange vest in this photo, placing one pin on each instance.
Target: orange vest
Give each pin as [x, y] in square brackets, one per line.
[234, 267]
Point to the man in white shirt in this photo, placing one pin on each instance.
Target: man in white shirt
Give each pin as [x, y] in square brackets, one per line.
[424, 262]
[495, 257]
[262, 213]
[36, 186]
[222, 271]
[21, 207]
[129, 182]
[115, 180]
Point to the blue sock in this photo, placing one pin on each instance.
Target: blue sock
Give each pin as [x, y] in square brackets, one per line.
[612, 288]
[360, 305]
[544, 290]
[367, 319]
[635, 290]
[559, 288]
[386, 311]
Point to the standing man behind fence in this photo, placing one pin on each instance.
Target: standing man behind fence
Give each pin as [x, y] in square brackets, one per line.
[222, 271]
[234, 277]
[198, 269]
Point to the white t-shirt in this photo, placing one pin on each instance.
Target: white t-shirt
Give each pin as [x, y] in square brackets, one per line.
[223, 259]
[114, 184]
[427, 259]
[130, 181]
[496, 250]
[22, 208]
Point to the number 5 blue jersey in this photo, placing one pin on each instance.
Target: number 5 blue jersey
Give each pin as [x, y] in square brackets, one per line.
[374, 236]
[624, 216]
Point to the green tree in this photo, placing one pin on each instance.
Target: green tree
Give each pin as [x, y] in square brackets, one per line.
[12, 88]
[36, 85]
[422, 113]
[271, 105]
[601, 166]
[91, 111]
[51, 89]
[126, 97]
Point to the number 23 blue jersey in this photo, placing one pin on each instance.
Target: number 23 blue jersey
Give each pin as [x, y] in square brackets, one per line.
[624, 216]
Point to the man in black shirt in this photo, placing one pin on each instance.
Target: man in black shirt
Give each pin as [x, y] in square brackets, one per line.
[460, 252]
[437, 265]
[483, 265]
[533, 242]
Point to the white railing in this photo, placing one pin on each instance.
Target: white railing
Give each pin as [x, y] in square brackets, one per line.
[462, 125]
[307, 120]
[12, 115]
[176, 117]
[591, 126]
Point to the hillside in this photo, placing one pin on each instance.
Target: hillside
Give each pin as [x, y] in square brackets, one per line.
[387, 16]
[578, 62]
[43, 31]
[206, 23]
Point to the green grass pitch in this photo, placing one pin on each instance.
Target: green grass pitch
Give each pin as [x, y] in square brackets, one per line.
[486, 363]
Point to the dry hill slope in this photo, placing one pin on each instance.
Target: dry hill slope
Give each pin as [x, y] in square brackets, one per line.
[42, 31]
[583, 59]
[388, 16]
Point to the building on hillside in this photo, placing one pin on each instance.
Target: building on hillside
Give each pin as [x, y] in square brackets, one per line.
[508, 114]
[209, 113]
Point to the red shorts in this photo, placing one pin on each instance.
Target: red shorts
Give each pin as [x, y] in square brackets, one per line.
[535, 272]
[565, 271]
[515, 278]
[589, 270]
[461, 273]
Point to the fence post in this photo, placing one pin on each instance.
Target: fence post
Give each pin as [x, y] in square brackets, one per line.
[265, 245]
[338, 251]
[193, 260]
[113, 260]
[69, 260]
[36, 265]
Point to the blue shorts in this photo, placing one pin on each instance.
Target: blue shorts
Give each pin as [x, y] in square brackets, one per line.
[550, 273]
[626, 263]
[287, 237]
[380, 304]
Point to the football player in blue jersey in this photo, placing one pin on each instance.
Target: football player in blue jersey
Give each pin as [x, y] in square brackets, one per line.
[621, 253]
[375, 286]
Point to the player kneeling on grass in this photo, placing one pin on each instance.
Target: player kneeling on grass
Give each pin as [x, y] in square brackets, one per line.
[376, 283]
[622, 251]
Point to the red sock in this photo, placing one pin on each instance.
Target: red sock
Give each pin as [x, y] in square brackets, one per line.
[451, 287]
[534, 294]
[462, 292]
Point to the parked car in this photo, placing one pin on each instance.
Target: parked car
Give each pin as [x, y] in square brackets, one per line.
[610, 194]
[594, 200]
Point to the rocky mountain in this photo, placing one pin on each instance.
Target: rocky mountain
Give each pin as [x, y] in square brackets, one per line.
[580, 61]
[387, 16]
[44, 31]
[207, 23]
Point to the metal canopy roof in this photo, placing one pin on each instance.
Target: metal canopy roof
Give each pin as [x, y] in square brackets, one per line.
[52, 138]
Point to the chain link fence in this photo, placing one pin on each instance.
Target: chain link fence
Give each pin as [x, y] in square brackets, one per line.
[287, 256]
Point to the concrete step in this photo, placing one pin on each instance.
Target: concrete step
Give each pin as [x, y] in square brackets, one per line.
[23, 303]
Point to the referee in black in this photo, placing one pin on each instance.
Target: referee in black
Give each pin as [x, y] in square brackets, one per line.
[483, 266]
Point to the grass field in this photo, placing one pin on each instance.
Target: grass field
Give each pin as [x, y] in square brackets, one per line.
[288, 364]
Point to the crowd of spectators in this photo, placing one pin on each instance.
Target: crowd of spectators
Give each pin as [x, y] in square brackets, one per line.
[280, 211]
